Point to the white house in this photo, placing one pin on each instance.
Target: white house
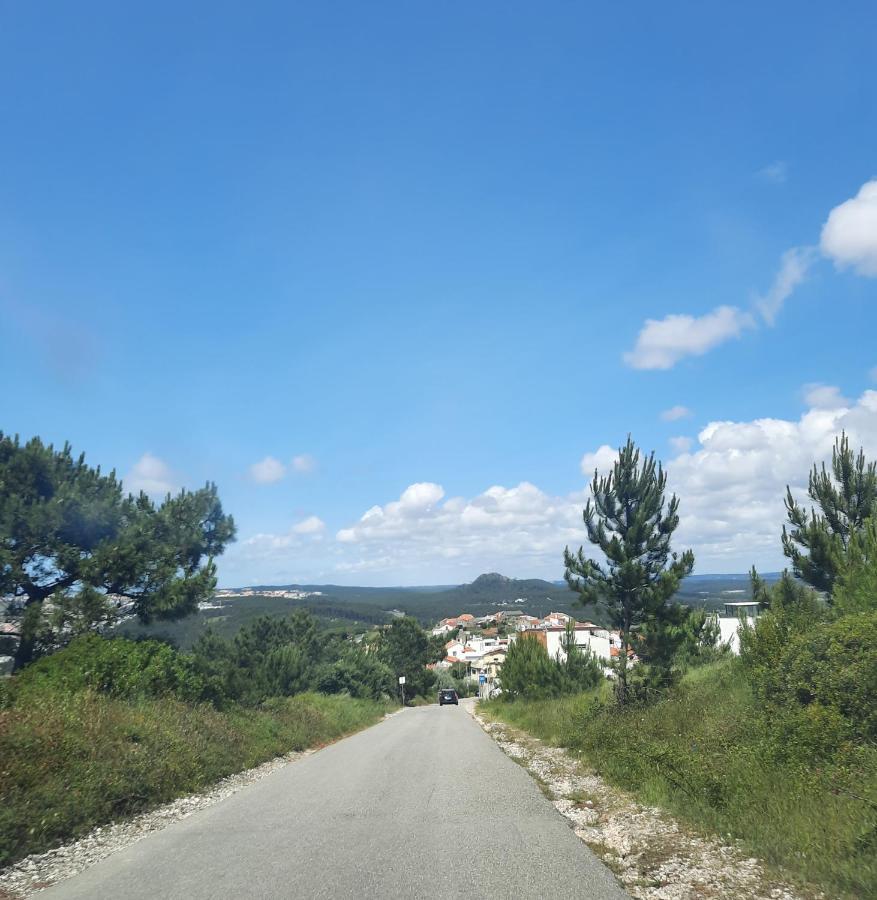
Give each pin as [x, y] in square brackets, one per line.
[730, 623]
[588, 637]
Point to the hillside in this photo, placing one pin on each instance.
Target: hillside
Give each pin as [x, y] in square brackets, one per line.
[345, 608]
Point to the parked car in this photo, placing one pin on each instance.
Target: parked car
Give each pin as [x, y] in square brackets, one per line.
[448, 695]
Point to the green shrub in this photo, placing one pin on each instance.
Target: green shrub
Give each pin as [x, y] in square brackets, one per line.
[830, 671]
[116, 667]
[73, 760]
[529, 672]
[709, 753]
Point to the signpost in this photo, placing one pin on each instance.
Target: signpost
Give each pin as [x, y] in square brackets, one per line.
[402, 687]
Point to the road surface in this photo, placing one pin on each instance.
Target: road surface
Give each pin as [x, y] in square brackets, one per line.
[423, 805]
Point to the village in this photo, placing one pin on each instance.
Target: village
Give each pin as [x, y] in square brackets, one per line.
[477, 646]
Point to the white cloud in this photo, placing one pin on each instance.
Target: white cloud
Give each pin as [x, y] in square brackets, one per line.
[777, 172]
[664, 342]
[794, 266]
[304, 463]
[152, 476]
[731, 483]
[674, 413]
[310, 525]
[267, 471]
[514, 530]
[824, 396]
[849, 236]
[602, 460]
[731, 488]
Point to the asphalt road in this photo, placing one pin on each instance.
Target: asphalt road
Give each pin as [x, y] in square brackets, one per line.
[422, 805]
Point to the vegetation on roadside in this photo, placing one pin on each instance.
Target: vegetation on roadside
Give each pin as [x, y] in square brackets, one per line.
[76, 551]
[528, 670]
[712, 754]
[776, 748]
[106, 728]
[631, 522]
[70, 761]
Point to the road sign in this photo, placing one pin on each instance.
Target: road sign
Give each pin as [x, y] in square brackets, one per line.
[401, 679]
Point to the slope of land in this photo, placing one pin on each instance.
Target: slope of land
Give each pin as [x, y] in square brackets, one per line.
[709, 755]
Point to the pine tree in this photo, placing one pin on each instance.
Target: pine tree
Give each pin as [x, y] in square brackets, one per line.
[75, 550]
[632, 524]
[846, 496]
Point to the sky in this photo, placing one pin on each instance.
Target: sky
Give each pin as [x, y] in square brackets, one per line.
[398, 277]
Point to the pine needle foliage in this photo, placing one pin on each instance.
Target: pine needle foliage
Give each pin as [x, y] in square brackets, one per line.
[630, 520]
[76, 551]
[817, 544]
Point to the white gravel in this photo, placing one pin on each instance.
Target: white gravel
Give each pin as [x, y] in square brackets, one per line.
[43, 869]
[653, 856]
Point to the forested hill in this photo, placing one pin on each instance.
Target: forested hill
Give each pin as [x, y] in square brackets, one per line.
[347, 608]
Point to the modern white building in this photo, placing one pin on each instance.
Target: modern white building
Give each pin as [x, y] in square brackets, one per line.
[736, 614]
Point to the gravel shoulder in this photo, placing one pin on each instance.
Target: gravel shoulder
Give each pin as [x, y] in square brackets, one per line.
[41, 870]
[653, 856]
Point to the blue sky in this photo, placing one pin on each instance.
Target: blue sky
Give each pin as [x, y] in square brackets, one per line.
[408, 254]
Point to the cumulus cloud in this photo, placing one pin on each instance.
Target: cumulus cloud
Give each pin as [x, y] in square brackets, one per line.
[794, 266]
[507, 529]
[664, 342]
[310, 525]
[601, 460]
[675, 413]
[776, 173]
[731, 482]
[267, 471]
[731, 487]
[849, 236]
[151, 475]
[824, 396]
[304, 463]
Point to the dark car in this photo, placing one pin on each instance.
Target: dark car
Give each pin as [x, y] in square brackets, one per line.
[448, 696]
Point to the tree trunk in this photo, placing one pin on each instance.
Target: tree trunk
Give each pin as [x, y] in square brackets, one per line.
[24, 652]
[621, 684]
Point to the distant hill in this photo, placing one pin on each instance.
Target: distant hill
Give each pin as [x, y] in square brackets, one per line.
[345, 608]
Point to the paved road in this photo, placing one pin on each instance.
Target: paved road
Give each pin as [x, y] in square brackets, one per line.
[422, 805]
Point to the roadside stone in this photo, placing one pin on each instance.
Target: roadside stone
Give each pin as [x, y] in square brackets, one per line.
[653, 856]
[41, 870]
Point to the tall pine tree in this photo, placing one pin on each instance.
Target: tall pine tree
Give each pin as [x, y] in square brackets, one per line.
[632, 523]
[817, 543]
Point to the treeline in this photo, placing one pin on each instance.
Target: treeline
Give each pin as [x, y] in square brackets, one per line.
[270, 657]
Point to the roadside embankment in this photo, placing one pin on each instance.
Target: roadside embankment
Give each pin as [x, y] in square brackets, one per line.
[72, 761]
[735, 791]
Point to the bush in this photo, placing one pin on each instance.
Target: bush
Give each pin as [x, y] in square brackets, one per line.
[528, 671]
[116, 667]
[70, 761]
[708, 752]
[831, 671]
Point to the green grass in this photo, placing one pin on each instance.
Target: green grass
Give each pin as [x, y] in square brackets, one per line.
[708, 755]
[71, 761]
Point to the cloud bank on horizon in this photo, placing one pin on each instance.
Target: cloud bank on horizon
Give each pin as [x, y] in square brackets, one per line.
[848, 239]
[731, 480]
